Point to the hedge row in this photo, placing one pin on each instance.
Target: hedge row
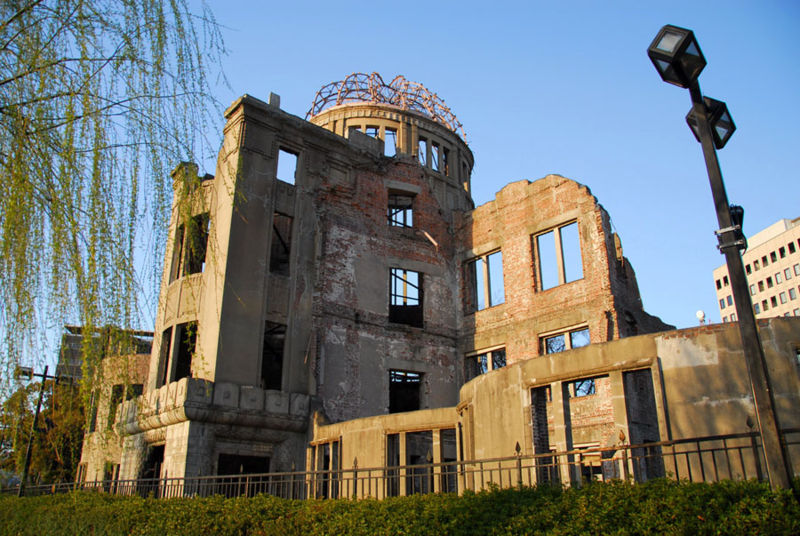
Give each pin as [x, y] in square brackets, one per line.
[657, 507]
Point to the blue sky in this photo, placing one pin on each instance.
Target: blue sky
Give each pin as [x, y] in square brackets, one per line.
[567, 88]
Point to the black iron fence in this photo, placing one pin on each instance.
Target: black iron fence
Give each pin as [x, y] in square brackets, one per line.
[706, 459]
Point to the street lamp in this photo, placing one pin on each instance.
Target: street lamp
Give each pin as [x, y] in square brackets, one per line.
[679, 60]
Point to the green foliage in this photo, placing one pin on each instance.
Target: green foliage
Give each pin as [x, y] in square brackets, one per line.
[99, 99]
[57, 444]
[658, 507]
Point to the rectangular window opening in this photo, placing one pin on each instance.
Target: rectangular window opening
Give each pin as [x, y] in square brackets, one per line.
[725, 280]
[568, 340]
[272, 355]
[117, 392]
[166, 354]
[372, 131]
[581, 388]
[281, 244]
[177, 253]
[782, 252]
[791, 247]
[773, 257]
[186, 339]
[401, 210]
[746, 269]
[405, 297]
[435, 156]
[390, 142]
[446, 161]
[404, 391]
[196, 243]
[756, 308]
[475, 365]
[422, 151]
[558, 254]
[484, 277]
[287, 166]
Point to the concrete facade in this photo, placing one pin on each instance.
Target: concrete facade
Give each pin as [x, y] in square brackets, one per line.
[670, 386]
[772, 268]
[360, 282]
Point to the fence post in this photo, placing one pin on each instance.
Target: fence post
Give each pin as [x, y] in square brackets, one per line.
[518, 449]
[355, 478]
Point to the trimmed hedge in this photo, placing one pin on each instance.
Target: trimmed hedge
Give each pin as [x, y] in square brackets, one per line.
[657, 507]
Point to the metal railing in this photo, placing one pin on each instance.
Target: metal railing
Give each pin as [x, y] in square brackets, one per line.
[706, 459]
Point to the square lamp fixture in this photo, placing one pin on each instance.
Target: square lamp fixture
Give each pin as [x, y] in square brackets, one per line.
[722, 126]
[677, 56]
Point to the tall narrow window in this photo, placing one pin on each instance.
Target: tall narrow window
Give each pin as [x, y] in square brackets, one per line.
[558, 256]
[422, 151]
[446, 161]
[435, 156]
[287, 166]
[196, 243]
[117, 393]
[404, 391]
[272, 355]
[390, 142]
[166, 354]
[405, 297]
[186, 340]
[177, 253]
[484, 277]
[281, 244]
[400, 211]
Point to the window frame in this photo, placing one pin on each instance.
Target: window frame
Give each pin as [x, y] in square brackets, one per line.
[477, 288]
[561, 264]
[567, 334]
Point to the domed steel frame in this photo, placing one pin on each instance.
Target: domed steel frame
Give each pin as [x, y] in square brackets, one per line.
[400, 92]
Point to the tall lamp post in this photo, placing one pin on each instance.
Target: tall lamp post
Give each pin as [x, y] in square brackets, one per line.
[678, 59]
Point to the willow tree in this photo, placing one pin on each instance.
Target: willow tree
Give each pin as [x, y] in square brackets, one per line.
[99, 99]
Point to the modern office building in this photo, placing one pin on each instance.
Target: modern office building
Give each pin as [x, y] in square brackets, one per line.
[772, 268]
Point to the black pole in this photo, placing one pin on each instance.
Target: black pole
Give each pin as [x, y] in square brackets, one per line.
[29, 451]
[778, 469]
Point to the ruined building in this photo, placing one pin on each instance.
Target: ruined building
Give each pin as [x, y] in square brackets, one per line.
[338, 265]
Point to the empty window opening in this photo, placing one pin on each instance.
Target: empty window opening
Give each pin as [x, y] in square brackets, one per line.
[372, 131]
[422, 151]
[404, 391]
[419, 451]
[405, 297]
[725, 280]
[435, 156]
[446, 161]
[791, 247]
[773, 257]
[117, 392]
[580, 388]
[448, 453]
[782, 252]
[558, 254]
[764, 261]
[390, 142]
[151, 468]
[392, 462]
[233, 464]
[773, 301]
[93, 402]
[166, 354]
[287, 166]
[350, 130]
[552, 344]
[401, 211]
[186, 340]
[272, 355]
[177, 252]
[484, 362]
[484, 276]
[764, 305]
[756, 266]
[761, 286]
[719, 284]
[281, 244]
[746, 269]
[196, 242]
[769, 282]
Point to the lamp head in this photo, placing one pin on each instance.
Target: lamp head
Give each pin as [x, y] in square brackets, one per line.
[676, 56]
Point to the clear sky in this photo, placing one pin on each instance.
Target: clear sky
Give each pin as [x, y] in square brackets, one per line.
[567, 88]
